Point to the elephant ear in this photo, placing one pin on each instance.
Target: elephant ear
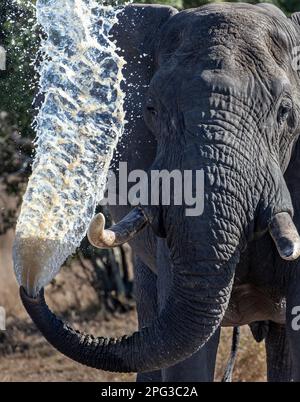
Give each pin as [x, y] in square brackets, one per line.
[292, 174]
[292, 178]
[136, 34]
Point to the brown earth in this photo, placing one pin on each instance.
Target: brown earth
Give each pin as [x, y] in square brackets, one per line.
[25, 355]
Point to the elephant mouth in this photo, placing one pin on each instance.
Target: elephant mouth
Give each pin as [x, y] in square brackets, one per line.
[249, 304]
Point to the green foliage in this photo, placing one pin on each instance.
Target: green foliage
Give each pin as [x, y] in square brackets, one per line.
[174, 3]
[289, 6]
[17, 88]
[18, 82]
[197, 3]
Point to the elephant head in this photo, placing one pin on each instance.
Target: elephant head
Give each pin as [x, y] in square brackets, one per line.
[221, 94]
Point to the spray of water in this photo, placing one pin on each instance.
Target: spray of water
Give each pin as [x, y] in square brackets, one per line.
[78, 127]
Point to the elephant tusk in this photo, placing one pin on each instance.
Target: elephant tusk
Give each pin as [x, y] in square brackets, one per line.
[118, 234]
[285, 236]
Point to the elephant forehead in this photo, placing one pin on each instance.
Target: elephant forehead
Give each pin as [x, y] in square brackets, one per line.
[226, 24]
[207, 42]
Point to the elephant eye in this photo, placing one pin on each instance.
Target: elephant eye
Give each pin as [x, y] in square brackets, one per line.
[284, 111]
[152, 110]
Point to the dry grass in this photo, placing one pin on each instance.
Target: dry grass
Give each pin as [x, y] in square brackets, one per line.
[32, 359]
[251, 361]
[35, 360]
[9, 297]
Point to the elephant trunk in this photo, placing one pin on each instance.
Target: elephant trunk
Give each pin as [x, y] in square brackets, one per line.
[200, 291]
[167, 341]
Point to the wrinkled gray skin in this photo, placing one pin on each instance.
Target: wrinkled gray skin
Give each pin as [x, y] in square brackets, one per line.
[217, 101]
[218, 93]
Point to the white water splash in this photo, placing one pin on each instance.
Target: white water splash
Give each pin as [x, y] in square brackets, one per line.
[78, 127]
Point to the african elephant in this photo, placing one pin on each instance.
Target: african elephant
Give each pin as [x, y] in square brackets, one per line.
[217, 89]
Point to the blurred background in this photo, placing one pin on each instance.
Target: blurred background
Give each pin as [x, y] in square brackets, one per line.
[95, 288]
